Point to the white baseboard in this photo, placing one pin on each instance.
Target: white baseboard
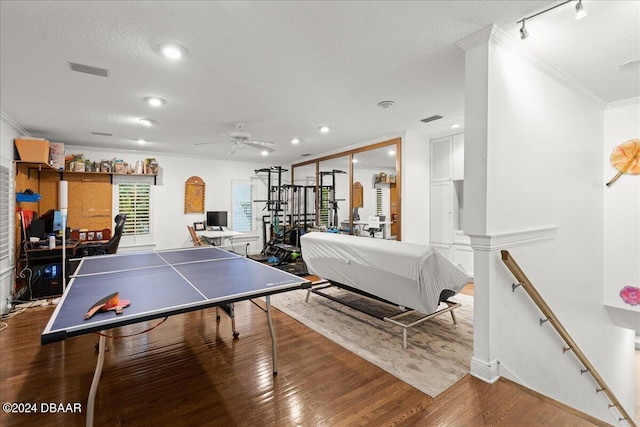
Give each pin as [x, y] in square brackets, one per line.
[485, 371]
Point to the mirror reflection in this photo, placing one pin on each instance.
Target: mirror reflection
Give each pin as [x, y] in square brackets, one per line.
[358, 191]
[374, 171]
[333, 187]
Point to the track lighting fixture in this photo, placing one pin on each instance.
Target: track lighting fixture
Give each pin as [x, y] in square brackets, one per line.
[523, 31]
[580, 13]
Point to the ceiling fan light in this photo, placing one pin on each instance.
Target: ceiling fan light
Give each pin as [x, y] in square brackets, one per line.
[264, 152]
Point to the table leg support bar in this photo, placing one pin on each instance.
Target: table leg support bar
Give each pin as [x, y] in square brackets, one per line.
[274, 349]
[96, 379]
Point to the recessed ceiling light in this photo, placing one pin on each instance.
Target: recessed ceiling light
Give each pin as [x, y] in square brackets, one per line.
[148, 122]
[324, 129]
[155, 101]
[385, 104]
[264, 153]
[172, 50]
[141, 141]
[391, 152]
[354, 160]
[455, 126]
[295, 141]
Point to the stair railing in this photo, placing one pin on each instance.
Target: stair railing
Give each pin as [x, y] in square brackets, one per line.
[571, 345]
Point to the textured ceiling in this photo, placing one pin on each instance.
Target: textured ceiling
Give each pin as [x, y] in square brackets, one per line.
[282, 68]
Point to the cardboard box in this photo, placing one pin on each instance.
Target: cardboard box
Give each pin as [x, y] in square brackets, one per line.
[33, 150]
[56, 150]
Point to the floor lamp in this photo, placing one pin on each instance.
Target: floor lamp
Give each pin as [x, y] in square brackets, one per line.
[63, 200]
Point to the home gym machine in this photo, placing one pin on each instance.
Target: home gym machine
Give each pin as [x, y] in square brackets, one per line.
[330, 203]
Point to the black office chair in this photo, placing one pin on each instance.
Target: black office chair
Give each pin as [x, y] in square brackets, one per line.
[111, 247]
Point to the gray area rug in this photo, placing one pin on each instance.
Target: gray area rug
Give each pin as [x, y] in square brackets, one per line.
[438, 354]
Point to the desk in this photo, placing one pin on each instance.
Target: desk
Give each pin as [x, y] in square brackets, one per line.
[45, 266]
[219, 235]
[160, 284]
[383, 224]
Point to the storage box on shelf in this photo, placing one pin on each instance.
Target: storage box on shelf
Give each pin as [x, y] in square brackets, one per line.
[33, 150]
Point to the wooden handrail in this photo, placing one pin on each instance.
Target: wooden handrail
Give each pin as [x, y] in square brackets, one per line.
[542, 305]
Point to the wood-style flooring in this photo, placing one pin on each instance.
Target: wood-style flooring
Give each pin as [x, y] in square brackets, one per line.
[187, 372]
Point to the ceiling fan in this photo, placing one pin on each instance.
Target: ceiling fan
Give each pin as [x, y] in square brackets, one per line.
[240, 138]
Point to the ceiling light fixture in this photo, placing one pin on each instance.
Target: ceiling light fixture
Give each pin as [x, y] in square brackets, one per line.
[523, 31]
[173, 50]
[264, 153]
[141, 141]
[324, 129]
[391, 152]
[354, 160]
[455, 126]
[147, 122]
[295, 140]
[385, 104]
[580, 13]
[155, 101]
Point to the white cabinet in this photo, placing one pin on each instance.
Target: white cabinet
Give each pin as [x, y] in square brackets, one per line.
[441, 159]
[446, 201]
[443, 209]
[463, 255]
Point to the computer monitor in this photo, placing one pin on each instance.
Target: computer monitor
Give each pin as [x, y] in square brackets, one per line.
[217, 219]
[53, 221]
[57, 221]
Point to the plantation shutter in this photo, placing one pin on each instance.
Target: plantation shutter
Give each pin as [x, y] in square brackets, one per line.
[5, 196]
[134, 201]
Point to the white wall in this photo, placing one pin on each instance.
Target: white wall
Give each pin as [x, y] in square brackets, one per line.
[621, 216]
[169, 221]
[622, 204]
[8, 131]
[533, 145]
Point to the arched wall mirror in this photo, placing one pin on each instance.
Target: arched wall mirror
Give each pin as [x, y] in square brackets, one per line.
[354, 186]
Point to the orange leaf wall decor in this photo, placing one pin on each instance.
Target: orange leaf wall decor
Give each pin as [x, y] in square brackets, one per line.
[626, 159]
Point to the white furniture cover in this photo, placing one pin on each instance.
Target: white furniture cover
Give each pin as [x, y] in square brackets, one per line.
[406, 274]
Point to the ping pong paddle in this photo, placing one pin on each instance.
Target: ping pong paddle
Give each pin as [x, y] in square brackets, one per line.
[110, 302]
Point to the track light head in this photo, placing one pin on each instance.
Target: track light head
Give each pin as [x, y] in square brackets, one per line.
[523, 31]
[580, 12]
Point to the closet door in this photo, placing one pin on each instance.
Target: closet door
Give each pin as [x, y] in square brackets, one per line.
[441, 212]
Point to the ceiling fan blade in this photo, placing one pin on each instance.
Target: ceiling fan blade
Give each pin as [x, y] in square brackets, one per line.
[261, 143]
[260, 146]
[232, 150]
[209, 142]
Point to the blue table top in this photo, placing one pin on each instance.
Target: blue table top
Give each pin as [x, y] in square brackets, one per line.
[160, 284]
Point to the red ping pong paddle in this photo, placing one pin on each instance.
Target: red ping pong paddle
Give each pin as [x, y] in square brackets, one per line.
[110, 302]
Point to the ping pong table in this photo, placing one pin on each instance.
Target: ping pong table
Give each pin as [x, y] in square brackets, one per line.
[160, 284]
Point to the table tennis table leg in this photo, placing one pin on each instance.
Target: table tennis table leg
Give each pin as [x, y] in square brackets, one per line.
[96, 379]
[274, 349]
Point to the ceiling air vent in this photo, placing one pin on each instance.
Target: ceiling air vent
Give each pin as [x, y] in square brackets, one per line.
[430, 119]
[89, 70]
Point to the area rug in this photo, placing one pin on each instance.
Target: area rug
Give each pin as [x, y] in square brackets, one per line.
[438, 353]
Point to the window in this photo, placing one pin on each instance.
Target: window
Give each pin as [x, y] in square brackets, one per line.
[133, 197]
[133, 200]
[242, 210]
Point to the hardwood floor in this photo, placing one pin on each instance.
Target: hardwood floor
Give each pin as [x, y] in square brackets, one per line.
[188, 373]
